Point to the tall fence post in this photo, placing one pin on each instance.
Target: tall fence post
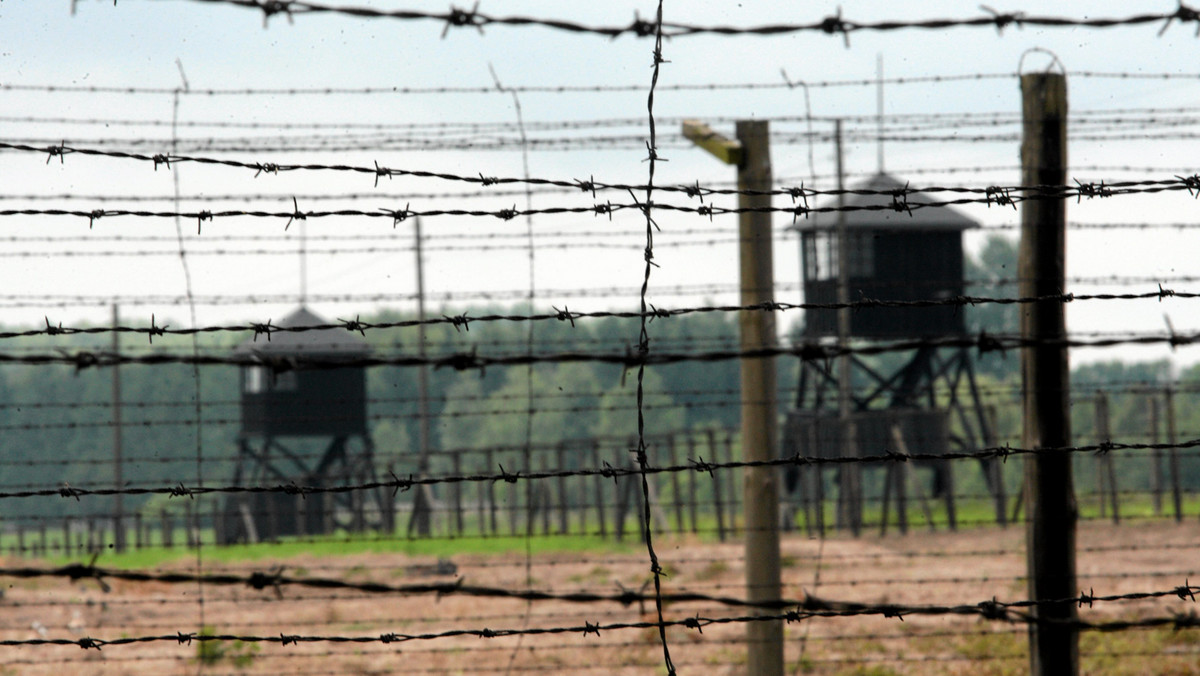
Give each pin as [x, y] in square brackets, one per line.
[751, 153]
[118, 462]
[718, 496]
[1156, 468]
[1051, 512]
[673, 460]
[692, 478]
[598, 484]
[1173, 454]
[1106, 475]
[564, 524]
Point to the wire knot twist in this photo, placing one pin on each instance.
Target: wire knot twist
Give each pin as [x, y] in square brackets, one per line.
[461, 17]
[700, 465]
[297, 215]
[900, 200]
[399, 485]
[835, 24]
[263, 329]
[1090, 190]
[1183, 14]
[1003, 20]
[1185, 592]
[1001, 196]
[399, 215]
[564, 315]
[993, 610]
[459, 321]
[355, 325]
[57, 151]
[1192, 183]
[641, 28]
[588, 185]
[267, 167]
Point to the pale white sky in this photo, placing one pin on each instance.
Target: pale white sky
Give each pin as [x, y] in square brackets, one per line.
[136, 44]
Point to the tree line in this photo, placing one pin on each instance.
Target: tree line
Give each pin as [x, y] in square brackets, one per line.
[57, 423]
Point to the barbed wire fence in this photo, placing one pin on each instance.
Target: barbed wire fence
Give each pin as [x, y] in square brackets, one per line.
[669, 487]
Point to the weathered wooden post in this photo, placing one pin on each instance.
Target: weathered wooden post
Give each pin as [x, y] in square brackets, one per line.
[1051, 512]
[599, 486]
[560, 457]
[676, 497]
[718, 497]
[1156, 470]
[692, 478]
[167, 535]
[750, 152]
[1106, 476]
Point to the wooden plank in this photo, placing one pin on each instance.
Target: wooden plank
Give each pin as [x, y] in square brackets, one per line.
[727, 150]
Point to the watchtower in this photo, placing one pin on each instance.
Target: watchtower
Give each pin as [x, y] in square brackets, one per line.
[305, 426]
[912, 402]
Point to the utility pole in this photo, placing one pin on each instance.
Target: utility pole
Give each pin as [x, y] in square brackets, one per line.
[750, 152]
[1050, 507]
[118, 460]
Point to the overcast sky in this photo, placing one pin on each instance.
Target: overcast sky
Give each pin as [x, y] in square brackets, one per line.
[141, 44]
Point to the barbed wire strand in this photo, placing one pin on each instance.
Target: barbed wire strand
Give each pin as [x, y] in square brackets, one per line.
[830, 25]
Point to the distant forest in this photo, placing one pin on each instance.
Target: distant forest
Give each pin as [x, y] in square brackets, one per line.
[57, 423]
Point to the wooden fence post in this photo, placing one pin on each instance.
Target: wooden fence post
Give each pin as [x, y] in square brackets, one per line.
[692, 479]
[599, 486]
[456, 490]
[676, 498]
[1051, 511]
[1106, 476]
[491, 493]
[564, 522]
[718, 498]
[1156, 470]
[1173, 456]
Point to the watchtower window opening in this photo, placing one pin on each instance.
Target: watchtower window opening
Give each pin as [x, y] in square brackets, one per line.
[256, 379]
[821, 255]
[259, 379]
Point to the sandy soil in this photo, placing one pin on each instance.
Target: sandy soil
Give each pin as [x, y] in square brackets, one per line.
[920, 568]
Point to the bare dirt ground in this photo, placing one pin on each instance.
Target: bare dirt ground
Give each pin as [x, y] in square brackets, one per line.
[921, 568]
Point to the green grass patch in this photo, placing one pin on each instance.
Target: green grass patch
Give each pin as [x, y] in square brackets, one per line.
[342, 545]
